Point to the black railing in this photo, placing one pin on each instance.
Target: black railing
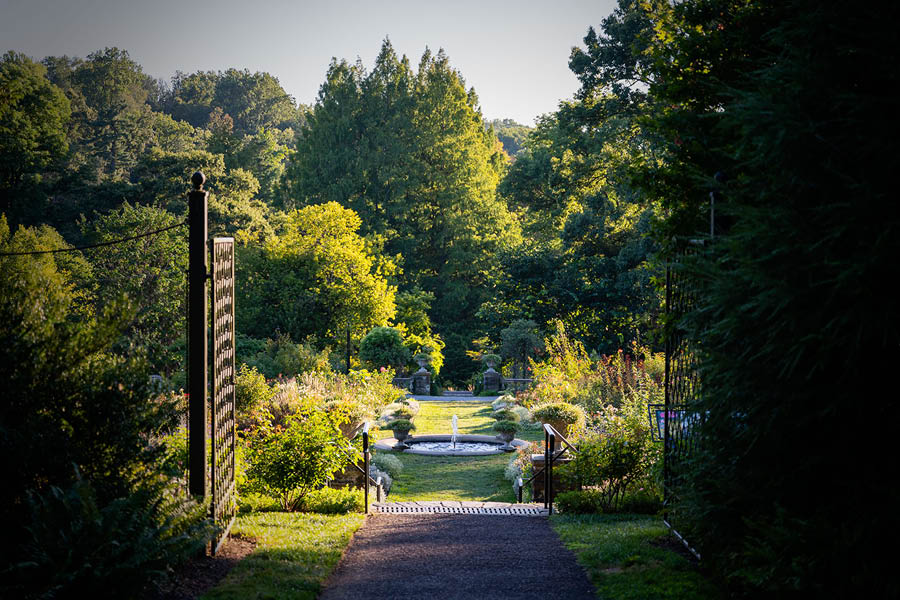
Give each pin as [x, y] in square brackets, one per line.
[516, 385]
[367, 458]
[551, 435]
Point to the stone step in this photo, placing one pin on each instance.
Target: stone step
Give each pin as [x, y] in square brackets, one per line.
[458, 393]
[460, 508]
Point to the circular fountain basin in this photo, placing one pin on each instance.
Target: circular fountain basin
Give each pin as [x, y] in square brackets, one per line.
[442, 445]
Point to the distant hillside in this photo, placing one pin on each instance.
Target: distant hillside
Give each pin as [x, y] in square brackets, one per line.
[511, 134]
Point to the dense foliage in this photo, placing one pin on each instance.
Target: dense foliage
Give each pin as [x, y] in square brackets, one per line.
[390, 202]
[408, 151]
[81, 433]
[787, 102]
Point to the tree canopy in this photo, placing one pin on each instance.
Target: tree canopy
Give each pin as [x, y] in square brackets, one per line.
[407, 151]
[317, 278]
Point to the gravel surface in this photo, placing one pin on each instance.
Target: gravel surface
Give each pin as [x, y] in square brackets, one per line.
[457, 557]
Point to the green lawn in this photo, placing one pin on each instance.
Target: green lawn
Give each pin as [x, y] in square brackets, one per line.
[623, 564]
[478, 478]
[296, 553]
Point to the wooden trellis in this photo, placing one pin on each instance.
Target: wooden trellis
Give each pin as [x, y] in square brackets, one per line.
[224, 505]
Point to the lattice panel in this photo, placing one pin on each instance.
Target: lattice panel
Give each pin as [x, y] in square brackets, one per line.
[224, 505]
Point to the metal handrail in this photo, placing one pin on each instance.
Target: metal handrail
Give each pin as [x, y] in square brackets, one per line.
[366, 458]
[550, 456]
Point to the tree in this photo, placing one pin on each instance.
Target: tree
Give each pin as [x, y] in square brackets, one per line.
[115, 90]
[156, 290]
[521, 341]
[788, 326]
[70, 403]
[408, 151]
[383, 347]
[511, 134]
[33, 118]
[164, 179]
[317, 278]
[253, 101]
[587, 257]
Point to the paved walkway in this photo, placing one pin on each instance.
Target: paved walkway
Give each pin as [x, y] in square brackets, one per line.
[446, 398]
[439, 556]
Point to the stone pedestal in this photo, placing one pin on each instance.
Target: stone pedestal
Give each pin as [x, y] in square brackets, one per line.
[492, 381]
[537, 485]
[421, 382]
[349, 476]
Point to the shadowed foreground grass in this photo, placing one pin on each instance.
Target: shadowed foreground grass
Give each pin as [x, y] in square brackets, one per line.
[296, 552]
[623, 562]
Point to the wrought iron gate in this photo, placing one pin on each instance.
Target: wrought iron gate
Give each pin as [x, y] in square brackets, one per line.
[224, 504]
[681, 383]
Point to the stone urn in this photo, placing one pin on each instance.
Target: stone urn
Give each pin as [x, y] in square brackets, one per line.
[401, 435]
[507, 437]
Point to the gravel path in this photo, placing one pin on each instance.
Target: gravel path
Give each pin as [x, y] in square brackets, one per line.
[456, 557]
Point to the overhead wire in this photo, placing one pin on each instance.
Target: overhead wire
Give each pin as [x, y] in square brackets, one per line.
[97, 245]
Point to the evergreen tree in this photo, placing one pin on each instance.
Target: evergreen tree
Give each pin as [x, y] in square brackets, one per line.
[410, 154]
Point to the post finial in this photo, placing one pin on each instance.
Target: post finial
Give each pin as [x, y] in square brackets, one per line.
[198, 179]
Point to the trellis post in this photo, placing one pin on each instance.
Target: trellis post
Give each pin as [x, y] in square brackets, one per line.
[198, 269]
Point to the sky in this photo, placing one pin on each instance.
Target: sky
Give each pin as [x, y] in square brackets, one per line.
[514, 53]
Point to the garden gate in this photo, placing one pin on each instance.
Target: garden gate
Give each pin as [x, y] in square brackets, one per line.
[218, 470]
[224, 504]
[681, 383]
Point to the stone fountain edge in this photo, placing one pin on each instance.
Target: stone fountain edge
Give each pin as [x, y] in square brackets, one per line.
[388, 443]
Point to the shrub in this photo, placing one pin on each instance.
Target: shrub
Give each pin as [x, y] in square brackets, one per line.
[504, 401]
[580, 502]
[383, 347]
[643, 501]
[405, 406]
[388, 463]
[250, 389]
[612, 461]
[289, 463]
[281, 357]
[403, 413]
[286, 400]
[523, 416]
[79, 549]
[513, 470]
[506, 427]
[491, 358]
[332, 501]
[386, 480]
[560, 412]
[505, 414]
[347, 413]
[401, 425]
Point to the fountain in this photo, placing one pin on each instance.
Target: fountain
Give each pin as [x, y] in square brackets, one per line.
[455, 444]
[453, 422]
